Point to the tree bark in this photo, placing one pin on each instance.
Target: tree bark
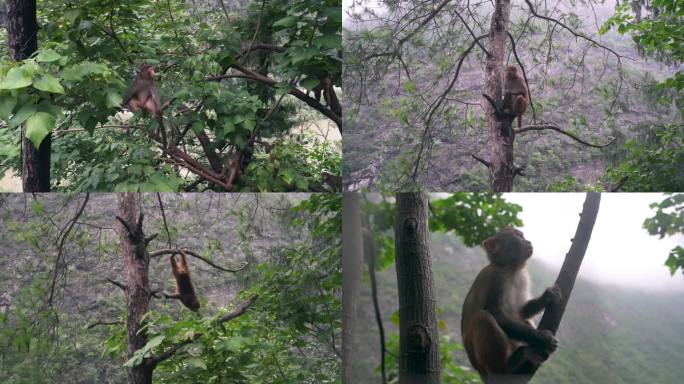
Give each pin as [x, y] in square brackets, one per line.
[501, 168]
[419, 360]
[352, 264]
[22, 39]
[553, 314]
[136, 267]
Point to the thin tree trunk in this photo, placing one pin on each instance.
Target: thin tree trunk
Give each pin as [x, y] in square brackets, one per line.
[419, 360]
[22, 32]
[352, 264]
[369, 252]
[501, 168]
[136, 267]
[573, 260]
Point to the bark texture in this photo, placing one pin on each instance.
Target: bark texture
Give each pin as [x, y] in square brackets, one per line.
[352, 264]
[22, 32]
[501, 168]
[136, 267]
[418, 335]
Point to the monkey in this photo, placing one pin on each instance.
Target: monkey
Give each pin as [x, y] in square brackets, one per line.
[143, 92]
[496, 327]
[234, 171]
[325, 87]
[184, 289]
[516, 96]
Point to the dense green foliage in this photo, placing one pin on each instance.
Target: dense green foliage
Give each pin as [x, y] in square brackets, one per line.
[289, 247]
[90, 50]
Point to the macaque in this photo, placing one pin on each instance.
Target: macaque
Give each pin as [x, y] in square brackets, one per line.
[184, 289]
[325, 87]
[497, 332]
[234, 174]
[143, 92]
[516, 96]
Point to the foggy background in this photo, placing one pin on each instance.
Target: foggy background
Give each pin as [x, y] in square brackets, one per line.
[620, 252]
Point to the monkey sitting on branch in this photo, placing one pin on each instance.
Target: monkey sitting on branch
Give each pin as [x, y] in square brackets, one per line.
[142, 93]
[184, 289]
[498, 335]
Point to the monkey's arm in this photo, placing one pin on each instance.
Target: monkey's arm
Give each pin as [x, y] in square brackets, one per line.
[132, 91]
[534, 306]
[518, 330]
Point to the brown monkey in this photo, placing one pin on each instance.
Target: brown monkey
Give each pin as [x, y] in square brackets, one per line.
[497, 332]
[516, 96]
[325, 87]
[143, 92]
[184, 289]
[234, 173]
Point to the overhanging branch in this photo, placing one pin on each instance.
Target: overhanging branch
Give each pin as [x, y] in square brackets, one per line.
[173, 251]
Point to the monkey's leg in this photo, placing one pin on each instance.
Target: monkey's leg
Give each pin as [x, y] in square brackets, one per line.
[487, 345]
[134, 105]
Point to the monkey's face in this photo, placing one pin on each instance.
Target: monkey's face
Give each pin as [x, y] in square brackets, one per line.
[508, 247]
[147, 71]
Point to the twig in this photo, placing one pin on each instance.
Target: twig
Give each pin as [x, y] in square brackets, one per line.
[171, 251]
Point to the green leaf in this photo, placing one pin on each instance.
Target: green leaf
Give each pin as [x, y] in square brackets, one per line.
[16, 78]
[196, 362]
[7, 105]
[48, 83]
[21, 115]
[286, 22]
[310, 83]
[48, 56]
[114, 99]
[38, 126]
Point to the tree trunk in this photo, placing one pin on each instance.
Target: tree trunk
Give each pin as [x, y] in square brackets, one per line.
[22, 32]
[501, 168]
[136, 267]
[352, 264]
[573, 260]
[419, 360]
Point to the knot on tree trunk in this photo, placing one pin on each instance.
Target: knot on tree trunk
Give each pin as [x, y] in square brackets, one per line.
[418, 339]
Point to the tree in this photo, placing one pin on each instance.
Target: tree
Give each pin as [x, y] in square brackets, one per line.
[427, 47]
[553, 314]
[352, 263]
[232, 87]
[22, 32]
[419, 359]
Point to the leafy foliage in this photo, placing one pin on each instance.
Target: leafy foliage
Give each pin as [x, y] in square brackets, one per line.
[655, 165]
[668, 221]
[73, 87]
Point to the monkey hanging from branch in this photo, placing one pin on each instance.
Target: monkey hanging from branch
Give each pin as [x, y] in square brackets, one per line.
[498, 335]
[185, 292]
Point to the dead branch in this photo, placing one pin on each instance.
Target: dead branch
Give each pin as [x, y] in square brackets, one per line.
[101, 322]
[118, 284]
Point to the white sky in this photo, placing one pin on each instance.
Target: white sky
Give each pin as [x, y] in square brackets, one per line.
[620, 252]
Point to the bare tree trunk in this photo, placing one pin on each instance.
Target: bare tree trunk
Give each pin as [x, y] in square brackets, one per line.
[419, 360]
[352, 264]
[501, 167]
[136, 267]
[22, 38]
[568, 274]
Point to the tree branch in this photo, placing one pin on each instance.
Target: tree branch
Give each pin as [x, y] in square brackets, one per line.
[540, 127]
[173, 251]
[241, 309]
[481, 160]
[120, 285]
